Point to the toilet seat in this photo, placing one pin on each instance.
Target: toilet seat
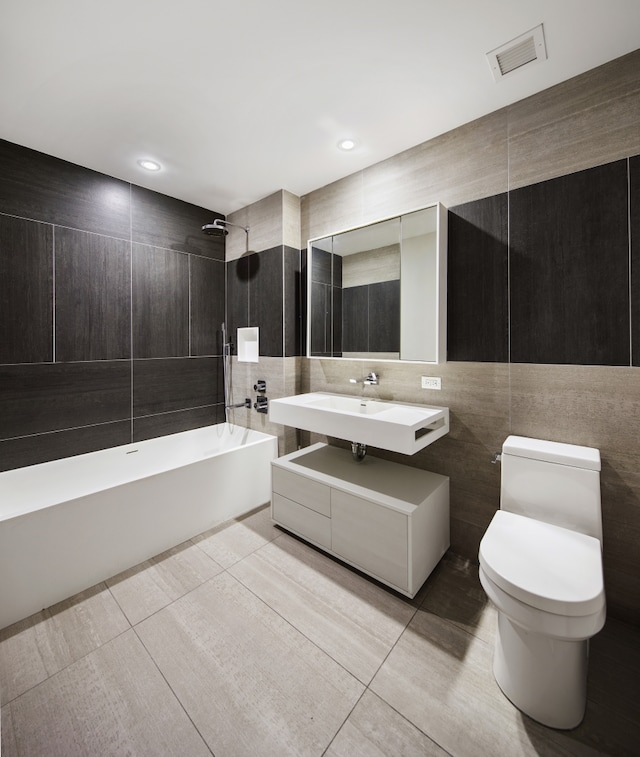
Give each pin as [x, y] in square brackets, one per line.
[535, 621]
[544, 566]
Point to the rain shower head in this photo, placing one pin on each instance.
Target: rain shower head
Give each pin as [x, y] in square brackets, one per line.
[218, 228]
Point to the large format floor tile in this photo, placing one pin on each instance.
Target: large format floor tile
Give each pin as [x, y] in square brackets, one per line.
[439, 678]
[454, 593]
[39, 646]
[248, 680]
[270, 653]
[7, 740]
[112, 702]
[353, 619]
[230, 542]
[374, 729]
[154, 584]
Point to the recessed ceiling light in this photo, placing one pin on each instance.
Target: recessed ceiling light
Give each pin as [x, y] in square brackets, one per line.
[149, 165]
[347, 144]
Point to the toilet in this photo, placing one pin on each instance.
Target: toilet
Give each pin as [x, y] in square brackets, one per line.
[541, 566]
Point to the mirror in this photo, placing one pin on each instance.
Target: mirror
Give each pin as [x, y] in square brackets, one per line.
[379, 291]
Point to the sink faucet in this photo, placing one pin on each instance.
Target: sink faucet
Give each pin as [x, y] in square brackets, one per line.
[370, 380]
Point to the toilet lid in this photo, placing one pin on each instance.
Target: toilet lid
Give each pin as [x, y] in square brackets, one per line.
[543, 565]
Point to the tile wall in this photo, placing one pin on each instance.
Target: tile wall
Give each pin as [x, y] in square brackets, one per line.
[108, 293]
[266, 288]
[543, 314]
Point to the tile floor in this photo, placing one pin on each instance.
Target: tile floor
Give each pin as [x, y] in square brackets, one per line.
[246, 641]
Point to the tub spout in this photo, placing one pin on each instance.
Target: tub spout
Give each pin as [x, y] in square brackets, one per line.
[246, 403]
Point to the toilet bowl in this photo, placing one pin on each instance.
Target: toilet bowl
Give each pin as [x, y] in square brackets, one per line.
[541, 566]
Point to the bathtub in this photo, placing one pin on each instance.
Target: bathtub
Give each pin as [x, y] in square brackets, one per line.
[66, 525]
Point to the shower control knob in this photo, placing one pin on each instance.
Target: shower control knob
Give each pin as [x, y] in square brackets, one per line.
[261, 404]
[260, 385]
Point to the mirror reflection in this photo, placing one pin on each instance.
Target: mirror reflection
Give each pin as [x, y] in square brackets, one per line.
[378, 291]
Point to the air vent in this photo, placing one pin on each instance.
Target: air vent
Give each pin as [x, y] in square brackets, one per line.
[523, 51]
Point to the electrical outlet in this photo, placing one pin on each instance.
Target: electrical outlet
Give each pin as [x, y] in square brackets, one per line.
[431, 382]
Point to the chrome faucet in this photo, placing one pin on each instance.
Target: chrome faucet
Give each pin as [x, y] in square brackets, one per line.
[370, 380]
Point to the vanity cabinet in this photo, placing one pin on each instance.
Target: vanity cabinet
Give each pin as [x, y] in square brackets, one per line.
[389, 520]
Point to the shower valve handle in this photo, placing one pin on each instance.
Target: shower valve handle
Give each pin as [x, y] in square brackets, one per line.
[261, 404]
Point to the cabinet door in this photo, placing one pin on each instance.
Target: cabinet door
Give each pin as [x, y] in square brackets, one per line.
[301, 489]
[370, 536]
[301, 520]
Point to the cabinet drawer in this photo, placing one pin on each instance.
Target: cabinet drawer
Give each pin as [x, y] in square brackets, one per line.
[300, 489]
[370, 536]
[302, 520]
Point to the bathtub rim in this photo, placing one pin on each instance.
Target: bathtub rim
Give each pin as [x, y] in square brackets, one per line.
[87, 488]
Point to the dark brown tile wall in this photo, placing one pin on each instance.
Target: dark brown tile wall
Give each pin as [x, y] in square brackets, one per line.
[294, 284]
[41, 448]
[557, 290]
[569, 269]
[26, 278]
[207, 305]
[43, 188]
[265, 289]
[266, 294]
[135, 295]
[162, 221]
[160, 302]
[93, 296]
[634, 211]
[477, 281]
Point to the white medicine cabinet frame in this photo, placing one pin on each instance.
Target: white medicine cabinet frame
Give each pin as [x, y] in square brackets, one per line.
[403, 259]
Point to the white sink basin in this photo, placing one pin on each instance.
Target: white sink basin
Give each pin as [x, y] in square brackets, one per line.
[394, 426]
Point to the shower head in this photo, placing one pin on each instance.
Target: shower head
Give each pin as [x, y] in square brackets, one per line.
[214, 229]
[218, 228]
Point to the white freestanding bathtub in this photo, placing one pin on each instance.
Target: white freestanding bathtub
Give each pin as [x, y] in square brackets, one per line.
[69, 524]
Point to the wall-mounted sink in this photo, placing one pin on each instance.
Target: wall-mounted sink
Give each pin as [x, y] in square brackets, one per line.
[394, 426]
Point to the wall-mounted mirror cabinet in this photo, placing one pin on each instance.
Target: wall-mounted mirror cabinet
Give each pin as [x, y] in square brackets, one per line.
[380, 291]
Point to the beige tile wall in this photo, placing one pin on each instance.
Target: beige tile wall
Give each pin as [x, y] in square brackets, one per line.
[584, 122]
[265, 221]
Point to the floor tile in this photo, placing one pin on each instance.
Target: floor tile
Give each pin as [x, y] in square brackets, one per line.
[39, 646]
[440, 678]
[249, 681]
[455, 594]
[232, 541]
[351, 618]
[153, 584]
[374, 729]
[8, 746]
[112, 702]
[612, 719]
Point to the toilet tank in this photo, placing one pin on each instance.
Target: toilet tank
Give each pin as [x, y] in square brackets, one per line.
[552, 482]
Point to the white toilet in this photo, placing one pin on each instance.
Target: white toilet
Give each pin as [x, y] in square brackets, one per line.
[541, 566]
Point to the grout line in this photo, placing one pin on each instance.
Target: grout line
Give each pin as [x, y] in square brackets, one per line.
[509, 270]
[131, 305]
[348, 715]
[189, 315]
[53, 293]
[69, 428]
[630, 262]
[283, 336]
[177, 698]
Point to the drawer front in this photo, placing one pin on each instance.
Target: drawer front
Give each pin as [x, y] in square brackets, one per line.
[371, 536]
[302, 520]
[300, 489]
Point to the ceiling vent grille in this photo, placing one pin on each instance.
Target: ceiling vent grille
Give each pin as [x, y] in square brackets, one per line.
[523, 51]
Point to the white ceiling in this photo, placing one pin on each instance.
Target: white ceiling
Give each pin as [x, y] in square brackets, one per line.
[241, 98]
